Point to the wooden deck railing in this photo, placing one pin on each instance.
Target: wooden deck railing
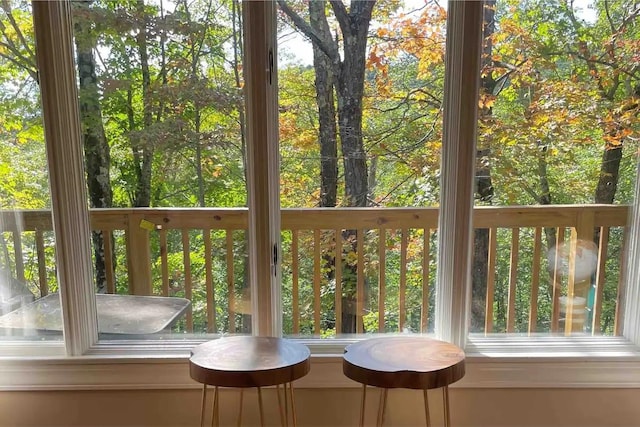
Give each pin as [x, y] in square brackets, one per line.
[384, 277]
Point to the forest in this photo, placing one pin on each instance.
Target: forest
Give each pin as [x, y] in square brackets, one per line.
[361, 89]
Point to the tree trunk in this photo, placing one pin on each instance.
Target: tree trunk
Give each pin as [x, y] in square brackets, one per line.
[194, 81]
[326, 108]
[373, 169]
[327, 135]
[609, 174]
[143, 149]
[350, 91]
[197, 119]
[484, 185]
[96, 148]
[545, 196]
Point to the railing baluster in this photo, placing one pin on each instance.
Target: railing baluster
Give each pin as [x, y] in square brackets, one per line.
[210, 292]
[360, 282]
[164, 263]
[42, 264]
[5, 258]
[557, 285]
[316, 281]
[513, 279]
[571, 284]
[382, 269]
[231, 289]
[535, 280]
[491, 279]
[188, 294]
[617, 323]
[17, 250]
[424, 314]
[603, 247]
[338, 271]
[403, 279]
[108, 261]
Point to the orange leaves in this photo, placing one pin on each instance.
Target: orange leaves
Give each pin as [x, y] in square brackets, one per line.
[616, 138]
[486, 101]
[374, 60]
[300, 137]
[217, 171]
[419, 35]
[382, 32]
[288, 126]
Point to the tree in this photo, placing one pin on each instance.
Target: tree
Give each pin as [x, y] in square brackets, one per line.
[348, 71]
[97, 154]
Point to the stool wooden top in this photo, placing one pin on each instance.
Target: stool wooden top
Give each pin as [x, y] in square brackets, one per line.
[246, 361]
[414, 362]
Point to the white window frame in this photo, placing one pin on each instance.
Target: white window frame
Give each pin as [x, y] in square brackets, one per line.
[81, 362]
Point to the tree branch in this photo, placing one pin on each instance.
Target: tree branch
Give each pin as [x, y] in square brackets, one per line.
[608, 13]
[633, 15]
[341, 15]
[24, 62]
[14, 24]
[327, 48]
[32, 73]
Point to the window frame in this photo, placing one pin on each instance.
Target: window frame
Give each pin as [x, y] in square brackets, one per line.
[61, 118]
[492, 362]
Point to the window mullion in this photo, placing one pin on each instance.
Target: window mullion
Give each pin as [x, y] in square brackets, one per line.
[54, 50]
[631, 325]
[455, 233]
[263, 165]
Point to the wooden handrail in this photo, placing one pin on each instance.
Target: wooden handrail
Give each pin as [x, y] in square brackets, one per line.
[327, 218]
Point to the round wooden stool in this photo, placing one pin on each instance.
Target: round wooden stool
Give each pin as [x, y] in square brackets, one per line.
[413, 362]
[246, 361]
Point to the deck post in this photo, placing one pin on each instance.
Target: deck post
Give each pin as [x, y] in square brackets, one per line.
[139, 254]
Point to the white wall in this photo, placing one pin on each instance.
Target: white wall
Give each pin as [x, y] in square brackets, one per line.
[325, 407]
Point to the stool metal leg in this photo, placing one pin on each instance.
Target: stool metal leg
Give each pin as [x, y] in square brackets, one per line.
[240, 409]
[294, 421]
[445, 400]
[204, 405]
[286, 407]
[426, 408]
[364, 400]
[260, 404]
[215, 417]
[382, 406]
[280, 403]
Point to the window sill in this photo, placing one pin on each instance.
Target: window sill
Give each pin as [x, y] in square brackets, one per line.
[512, 362]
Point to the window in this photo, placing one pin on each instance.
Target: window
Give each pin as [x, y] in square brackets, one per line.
[160, 92]
[554, 129]
[363, 111]
[26, 232]
[150, 236]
